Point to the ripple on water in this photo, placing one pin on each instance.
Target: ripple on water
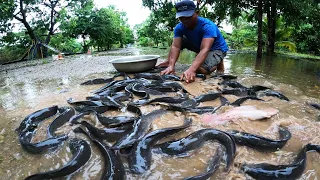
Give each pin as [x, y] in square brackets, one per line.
[19, 100]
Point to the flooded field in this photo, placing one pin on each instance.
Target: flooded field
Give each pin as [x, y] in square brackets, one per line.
[22, 93]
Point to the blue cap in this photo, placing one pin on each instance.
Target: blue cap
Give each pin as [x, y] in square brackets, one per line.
[185, 8]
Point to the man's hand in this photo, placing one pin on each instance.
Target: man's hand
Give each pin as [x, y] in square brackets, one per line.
[164, 64]
[188, 76]
[168, 70]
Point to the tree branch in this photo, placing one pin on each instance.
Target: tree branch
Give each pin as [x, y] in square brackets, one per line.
[18, 18]
[22, 10]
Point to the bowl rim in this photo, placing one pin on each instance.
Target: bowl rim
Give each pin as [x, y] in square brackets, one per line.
[142, 58]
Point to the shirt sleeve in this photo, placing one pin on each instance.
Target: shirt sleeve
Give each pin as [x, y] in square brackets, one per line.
[177, 32]
[210, 31]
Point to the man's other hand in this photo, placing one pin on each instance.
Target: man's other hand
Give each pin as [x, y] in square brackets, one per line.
[168, 70]
[188, 76]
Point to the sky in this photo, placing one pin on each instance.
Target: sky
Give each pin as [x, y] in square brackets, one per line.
[136, 13]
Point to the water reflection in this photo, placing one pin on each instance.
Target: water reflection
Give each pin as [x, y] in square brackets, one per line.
[23, 94]
[29, 94]
[27, 97]
[303, 74]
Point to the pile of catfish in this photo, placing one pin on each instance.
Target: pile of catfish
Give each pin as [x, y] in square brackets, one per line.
[127, 139]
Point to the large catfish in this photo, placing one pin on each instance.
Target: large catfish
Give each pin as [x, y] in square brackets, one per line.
[249, 112]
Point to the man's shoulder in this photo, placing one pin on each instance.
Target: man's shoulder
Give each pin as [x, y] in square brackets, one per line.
[179, 26]
[206, 21]
[178, 30]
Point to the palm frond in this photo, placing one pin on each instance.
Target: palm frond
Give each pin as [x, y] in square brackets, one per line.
[290, 45]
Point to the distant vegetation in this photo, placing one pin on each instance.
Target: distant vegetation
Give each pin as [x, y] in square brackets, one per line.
[283, 25]
[73, 26]
[60, 24]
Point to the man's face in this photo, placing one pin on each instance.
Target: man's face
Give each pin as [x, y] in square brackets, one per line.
[189, 22]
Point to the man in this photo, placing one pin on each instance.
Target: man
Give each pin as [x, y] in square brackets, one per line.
[197, 34]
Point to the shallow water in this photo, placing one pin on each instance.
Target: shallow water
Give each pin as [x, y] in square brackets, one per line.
[303, 74]
[296, 79]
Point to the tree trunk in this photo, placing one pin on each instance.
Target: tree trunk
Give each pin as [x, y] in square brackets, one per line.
[268, 64]
[271, 15]
[53, 22]
[259, 50]
[85, 46]
[23, 20]
[22, 17]
[45, 49]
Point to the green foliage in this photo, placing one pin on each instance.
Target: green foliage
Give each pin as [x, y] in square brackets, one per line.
[6, 10]
[145, 41]
[78, 22]
[14, 45]
[128, 35]
[10, 53]
[15, 39]
[186, 57]
[105, 27]
[153, 33]
[42, 20]
[243, 36]
[65, 44]
[307, 33]
[289, 45]
[45, 61]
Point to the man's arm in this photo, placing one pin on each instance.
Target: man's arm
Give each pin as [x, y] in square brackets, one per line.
[190, 73]
[206, 44]
[173, 56]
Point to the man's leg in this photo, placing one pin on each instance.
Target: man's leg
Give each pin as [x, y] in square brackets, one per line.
[220, 67]
[214, 61]
[202, 70]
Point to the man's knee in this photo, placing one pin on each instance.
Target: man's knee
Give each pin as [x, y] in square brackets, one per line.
[220, 67]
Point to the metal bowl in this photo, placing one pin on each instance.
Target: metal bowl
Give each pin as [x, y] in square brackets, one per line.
[133, 64]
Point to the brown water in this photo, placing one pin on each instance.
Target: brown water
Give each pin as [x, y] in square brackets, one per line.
[19, 100]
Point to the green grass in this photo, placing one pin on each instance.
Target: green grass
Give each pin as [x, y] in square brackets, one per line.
[298, 55]
[186, 57]
[45, 61]
[153, 50]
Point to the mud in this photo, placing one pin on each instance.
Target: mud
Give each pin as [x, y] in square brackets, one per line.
[26, 87]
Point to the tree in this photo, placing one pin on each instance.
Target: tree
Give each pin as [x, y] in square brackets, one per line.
[306, 31]
[104, 27]
[13, 46]
[77, 24]
[127, 36]
[66, 44]
[260, 16]
[154, 31]
[163, 12]
[40, 19]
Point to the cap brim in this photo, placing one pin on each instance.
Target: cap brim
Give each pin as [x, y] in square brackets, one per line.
[185, 13]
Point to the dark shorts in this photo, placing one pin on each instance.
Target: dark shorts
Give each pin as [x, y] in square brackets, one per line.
[213, 59]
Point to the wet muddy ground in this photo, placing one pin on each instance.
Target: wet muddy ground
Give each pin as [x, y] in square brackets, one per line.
[25, 88]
